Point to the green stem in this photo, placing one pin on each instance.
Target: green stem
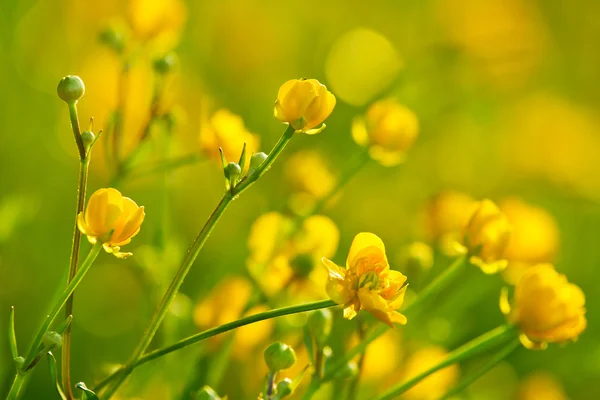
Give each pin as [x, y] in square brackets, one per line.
[191, 256]
[120, 112]
[476, 346]
[15, 388]
[500, 356]
[164, 166]
[74, 262]
[278, 312]
[431, 290]
[60, 302]
[76, 129]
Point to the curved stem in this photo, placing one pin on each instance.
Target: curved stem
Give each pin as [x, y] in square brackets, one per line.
[15, 388]
[476, 346]
[430, 291]
[60, 302]
[511, 347]
[66, 347]
[189, 259]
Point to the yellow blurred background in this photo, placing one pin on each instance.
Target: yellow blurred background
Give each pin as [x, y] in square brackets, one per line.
[506, 93]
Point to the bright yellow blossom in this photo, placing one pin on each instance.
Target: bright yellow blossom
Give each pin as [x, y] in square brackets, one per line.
[541, 386]
[367, 282]
[281, 256]
[546, 307]
[435, 385]
[485, 237]
[304, 104]
[227, 131]
[534, 238]
[111, 219]
[389, 129]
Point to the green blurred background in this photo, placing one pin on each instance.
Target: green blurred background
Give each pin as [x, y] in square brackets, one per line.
[506, 92]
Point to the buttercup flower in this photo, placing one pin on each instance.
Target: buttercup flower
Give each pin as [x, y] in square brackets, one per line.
[227, 130]
[546, 307]
[280, 258]
[158, 20]
[534, 238]
[485, 237]
[389, 129]
[434, 386]
[310, 178]
[367, 283]
[304, 104]
[541, 386]
[111, 219]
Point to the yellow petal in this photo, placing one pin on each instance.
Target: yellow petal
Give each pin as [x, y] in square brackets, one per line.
[362, 241]
[334, 271]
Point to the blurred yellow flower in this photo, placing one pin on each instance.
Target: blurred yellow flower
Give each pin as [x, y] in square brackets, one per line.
[225, 303]
[310, 178]
[367, 282]
[435, 385]
[382, 357]
[111, 219]
[249, 336]
[389, 129]
[541, 386]
[227, 130]
[485, 237]
[534, 237]
[416, 255]
[281, 258]
[304, 104]
[546, 307]
[158, 20]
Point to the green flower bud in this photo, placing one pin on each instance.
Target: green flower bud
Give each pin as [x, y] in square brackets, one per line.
[256, 161]
[232, 172]
[348, 371]
[165, 64]
[285, 387]
[113, 39]
[320, 323]
[207, 393]
[52, 340]
[417, 255]
[19, 361]
[88, 138]
[70, 88]
[279, 356]
[303, 264]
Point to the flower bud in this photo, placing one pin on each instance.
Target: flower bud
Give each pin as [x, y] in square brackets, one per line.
[486, 236]
[232, 173]
[304, 104]
[388, 129]
[546, 307]
[320, 323]
[88, 138]
[348, 371]
[417, 256]
[165, 64]
[52, 340]
[113, 39]
[285, 387]
[303, 264]
[70, 88]
[206, 393]
[256, 161]
[279, 356]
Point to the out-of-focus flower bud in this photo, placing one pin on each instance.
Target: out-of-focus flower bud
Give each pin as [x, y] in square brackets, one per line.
[418, 256]
[52, 340]
[279, 356]
[165, 64]
[320, 323]
[285, 387]
[348, 371]
[304, 104]
[70, 88]
[112, 38]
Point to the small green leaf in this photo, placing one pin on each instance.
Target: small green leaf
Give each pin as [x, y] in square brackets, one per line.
[54, 375]
[12, 338]
[242, 162]
[87, 393]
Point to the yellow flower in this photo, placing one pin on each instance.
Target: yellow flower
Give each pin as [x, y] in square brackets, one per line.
[304, 104]
[546, 307]
[249, 336]
[111, 219]
[158, 20]
[281, 258]
[541, 386]
[434, 386]
[227, 130]
[389, 129]
[485, 237]
[224, 303]
[534, 238]
[382, 357]
[447, 213]
[367, 282]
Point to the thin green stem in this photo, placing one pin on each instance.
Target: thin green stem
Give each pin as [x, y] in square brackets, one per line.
[60, 302]
[66, 348]
[16, 387]
[164, 166]
[76, 129]
[476, 346]
[500, 356]
[191, 256]
[430, 291]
